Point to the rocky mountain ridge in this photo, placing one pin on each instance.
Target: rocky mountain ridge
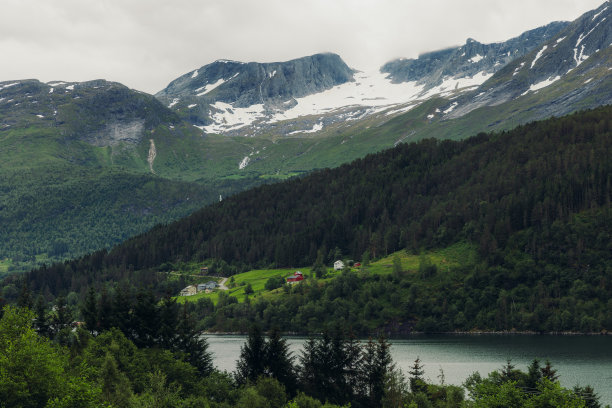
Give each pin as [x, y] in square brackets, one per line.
[98, 112]
[468, 60]
[208, 89]
[262, 100]
[573, 68]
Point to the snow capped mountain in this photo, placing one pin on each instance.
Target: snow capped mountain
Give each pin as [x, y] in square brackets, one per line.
[317, 94]
[229, 93]
[577, 61]
[251, 99]
[468, 60]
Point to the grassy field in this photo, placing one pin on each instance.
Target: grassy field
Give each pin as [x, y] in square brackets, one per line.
[444, 259]
[257, 278]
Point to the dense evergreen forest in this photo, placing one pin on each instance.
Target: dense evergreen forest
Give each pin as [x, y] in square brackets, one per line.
[534, 201]
[165, 364]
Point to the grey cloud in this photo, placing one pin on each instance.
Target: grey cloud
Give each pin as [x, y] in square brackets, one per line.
[146, 44]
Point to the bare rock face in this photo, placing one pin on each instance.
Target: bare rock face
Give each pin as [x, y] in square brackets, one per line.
[469, 59]
[118, 132]
[245, 84]
[572, 67]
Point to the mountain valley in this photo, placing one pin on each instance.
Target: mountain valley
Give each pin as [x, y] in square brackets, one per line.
[78, 157]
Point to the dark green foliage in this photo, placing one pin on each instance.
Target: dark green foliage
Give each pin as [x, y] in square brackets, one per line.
[513, 387]
[191, 342]
[337, 368]
[42, 317]
[279, 362]
[110, 370]
[417, 383]
[587, 393]
[274, 283]
[89, 310]
[252, 361]
[549, 372]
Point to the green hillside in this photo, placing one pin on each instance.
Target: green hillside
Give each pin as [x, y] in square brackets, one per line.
[522, 216]
[75, 175]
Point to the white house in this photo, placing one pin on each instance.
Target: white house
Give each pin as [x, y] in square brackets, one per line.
[338, 265]
[189, 291]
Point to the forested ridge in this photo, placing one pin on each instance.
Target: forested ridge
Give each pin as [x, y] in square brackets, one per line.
[535, 201]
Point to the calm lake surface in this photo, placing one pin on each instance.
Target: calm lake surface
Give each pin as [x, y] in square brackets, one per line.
[578, 359]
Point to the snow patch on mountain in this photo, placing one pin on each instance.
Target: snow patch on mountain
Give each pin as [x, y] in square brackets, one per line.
[227, 118]
[580, 58]
[317, 127]
[451, 108]
[244, 162]
[8, 85]
[207, 88]
[476, 58]
[598, 14]
[368, 94]
[538, 55]
[544, 84]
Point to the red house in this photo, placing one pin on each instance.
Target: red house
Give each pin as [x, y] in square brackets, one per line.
[297, 276]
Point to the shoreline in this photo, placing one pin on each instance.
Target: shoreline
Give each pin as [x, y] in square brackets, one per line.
[456, 333]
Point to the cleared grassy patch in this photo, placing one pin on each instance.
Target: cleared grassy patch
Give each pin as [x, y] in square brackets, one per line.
[256, 278]
[444, 259]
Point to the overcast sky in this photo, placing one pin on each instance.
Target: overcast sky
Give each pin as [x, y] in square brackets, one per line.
[147, 43]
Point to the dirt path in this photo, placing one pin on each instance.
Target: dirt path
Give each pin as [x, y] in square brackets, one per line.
[222, 284]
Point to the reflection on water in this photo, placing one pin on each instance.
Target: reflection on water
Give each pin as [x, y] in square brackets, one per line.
[578, 359]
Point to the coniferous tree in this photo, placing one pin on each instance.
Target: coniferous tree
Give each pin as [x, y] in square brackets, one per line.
[308, 367]
[588, 395]
[383, 367]
[417, 383]
[193, 344]
[146, 319]
[25, 296]
[89, 310]
[279, 361]
[105, 310]
[42, 319]
[367, 370]
[168, 318]
[251, 363]
[534, 374]
[63, 315]
[122, 306]
[62, 321]
[549, 372]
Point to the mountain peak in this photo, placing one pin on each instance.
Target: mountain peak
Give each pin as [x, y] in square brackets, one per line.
[226, 83]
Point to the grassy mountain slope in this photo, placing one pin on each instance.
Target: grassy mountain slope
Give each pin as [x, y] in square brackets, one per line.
[75, 174]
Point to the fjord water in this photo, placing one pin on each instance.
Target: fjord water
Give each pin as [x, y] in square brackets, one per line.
[578, 359]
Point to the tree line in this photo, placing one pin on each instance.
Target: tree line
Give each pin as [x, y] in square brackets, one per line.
[91, 368]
